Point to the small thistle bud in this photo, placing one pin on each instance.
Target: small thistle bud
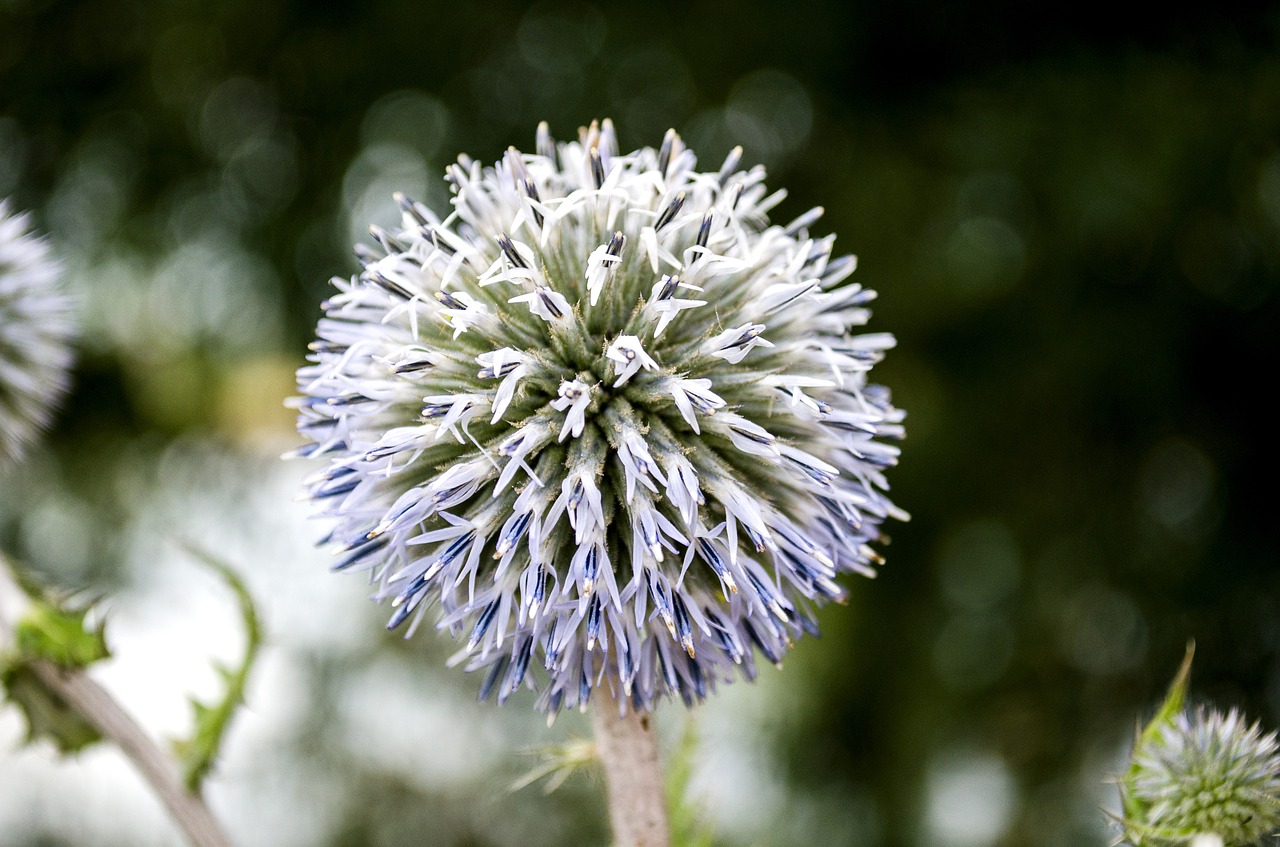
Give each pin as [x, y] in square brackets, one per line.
[36, 329]
[1201, 778]
[605, 420]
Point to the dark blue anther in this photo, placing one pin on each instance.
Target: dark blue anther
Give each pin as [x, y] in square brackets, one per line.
[400, 615]
[544, 294]
[452, 552]
[704, 231]
[357, 551]
[411, 209]
[698, 678]
[519, 666]
[509, 250]
[513, 535]
[412, 366]
[482, 625]
[335, 488]
[766, 596]
[549, 646]
[493, 373]
[668, 288]
[388, 241]
[593, 621]
[712, 558]
[491, 679]
[539, 587]
[616, 243]
[348, 400]
[597, 167]
[669, 213]
[664, 153]
[388, 285]
[668, 672]
[768, 651]
[447, 300]
[684, 632]
[624, 660]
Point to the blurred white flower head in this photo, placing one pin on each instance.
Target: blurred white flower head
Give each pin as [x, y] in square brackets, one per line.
[36, 330]
[604, 419]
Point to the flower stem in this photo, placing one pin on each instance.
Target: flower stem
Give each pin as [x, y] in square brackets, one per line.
[633, 775]
[92, 702]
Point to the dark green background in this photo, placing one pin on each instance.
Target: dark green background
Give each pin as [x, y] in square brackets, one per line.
[1071, 217]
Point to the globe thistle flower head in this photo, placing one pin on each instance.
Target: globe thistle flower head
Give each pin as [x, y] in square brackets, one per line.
[605, 418]
[1204, 775]
[35, 335]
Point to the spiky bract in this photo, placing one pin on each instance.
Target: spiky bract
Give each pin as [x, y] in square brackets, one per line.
[35, 335]
[606, 417]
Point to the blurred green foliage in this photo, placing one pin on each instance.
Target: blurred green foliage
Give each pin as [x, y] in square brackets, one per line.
[1072, 221]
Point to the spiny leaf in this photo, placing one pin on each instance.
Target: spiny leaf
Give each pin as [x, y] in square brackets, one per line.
[59, 635]
[198, 753]
[46, 713]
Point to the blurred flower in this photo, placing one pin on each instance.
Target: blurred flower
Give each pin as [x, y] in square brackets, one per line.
[36, 329]
[1204, 779]
[606, 417]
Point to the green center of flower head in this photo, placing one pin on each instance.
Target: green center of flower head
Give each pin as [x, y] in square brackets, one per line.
[603, 415]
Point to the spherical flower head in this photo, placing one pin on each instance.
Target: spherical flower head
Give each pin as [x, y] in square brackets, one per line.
[36, 329]
[604, 416]
[1205, 776]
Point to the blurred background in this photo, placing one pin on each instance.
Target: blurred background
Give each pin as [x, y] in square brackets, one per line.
[1072, 220]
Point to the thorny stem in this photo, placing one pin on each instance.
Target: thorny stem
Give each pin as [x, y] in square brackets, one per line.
[633, 775]
[98, 708]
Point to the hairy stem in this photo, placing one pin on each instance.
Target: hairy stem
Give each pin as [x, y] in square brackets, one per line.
[633, 776]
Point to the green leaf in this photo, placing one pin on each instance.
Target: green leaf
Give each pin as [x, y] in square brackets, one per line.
[59, 635]
[48, 716]
[1135, 810]
[198, 753]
